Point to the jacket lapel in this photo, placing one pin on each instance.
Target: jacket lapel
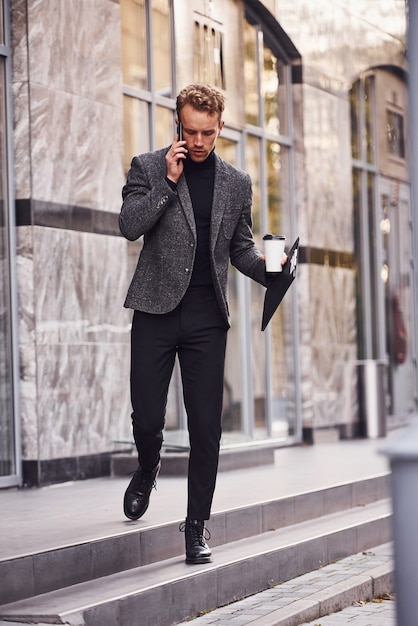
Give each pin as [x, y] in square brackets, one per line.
[186, 203]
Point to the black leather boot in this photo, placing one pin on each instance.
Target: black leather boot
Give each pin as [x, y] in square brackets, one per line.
[137, 495]
[197, 550]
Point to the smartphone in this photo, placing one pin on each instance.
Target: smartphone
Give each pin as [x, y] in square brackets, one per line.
[180, 131]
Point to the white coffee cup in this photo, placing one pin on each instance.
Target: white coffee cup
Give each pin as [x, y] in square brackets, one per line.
[274, 252]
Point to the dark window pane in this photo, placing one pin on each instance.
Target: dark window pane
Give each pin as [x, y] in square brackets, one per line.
[395, 134]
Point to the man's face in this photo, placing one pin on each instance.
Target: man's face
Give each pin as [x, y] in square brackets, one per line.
[200, 131]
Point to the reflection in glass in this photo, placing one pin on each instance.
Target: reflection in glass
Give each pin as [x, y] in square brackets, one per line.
[161, 41]
[232, 424]
[374, 232]
[208, 55]
[233, 393]
[136, 132]
[134, 43]
[369, 116]
[164, 127]
[360, 325]
[282, 370]
[258, 345]
[252, 161]
[395, 134]
[273, 163]
[251, 74]
[281, 326]
[7, 442]
[355, 121]
[273, 88]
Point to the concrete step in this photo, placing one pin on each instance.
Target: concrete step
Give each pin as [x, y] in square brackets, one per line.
[29, 575]
[175, 460]
[169, 591]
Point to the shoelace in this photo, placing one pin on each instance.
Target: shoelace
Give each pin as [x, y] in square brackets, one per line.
[200, 536]
[143, 481]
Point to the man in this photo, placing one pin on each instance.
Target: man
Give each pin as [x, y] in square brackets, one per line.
[194, 211]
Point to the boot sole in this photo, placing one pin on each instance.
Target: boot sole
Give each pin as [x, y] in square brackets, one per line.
[199, 560]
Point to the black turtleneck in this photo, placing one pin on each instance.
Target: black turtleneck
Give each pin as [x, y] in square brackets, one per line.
[200, 181]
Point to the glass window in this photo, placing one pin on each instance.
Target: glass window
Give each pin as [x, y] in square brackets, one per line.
[355, 121]
[368, 118]
[251, 73]
[162, 45]
[395, 134]
[364, 218]
[274, 93]
[134, 43]
[136, 129]
[232, 417]
[277, 164]
[164, 127]
[146, 53]
[267, 162]
[232, 411]
[253, 160]
[253, 154]
[208, 55]
[273, 187]
[374, 268]
[362, 124]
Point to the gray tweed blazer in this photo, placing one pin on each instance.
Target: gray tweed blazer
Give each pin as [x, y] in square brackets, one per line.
[165, 218]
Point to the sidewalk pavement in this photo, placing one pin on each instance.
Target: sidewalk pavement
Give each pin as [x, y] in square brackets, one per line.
[382, 613]
[347, 582]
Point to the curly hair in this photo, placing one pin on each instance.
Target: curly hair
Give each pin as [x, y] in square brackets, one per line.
[201, 98]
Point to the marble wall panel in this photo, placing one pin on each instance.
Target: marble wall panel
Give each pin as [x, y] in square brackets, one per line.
[69, 134]
[25, 287]
[74, 338]
[19, 40]
[75, 150]
[28, 401]
[21, 139]
[27, 343]
[81, 283]
[75, 47]
[83, 398]
[305, 347]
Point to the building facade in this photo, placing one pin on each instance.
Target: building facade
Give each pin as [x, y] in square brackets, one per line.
[316, 112]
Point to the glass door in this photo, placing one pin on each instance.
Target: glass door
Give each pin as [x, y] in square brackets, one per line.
[237, 418]
[396, 276]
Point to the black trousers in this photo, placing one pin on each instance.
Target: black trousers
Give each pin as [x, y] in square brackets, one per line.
[196, 332]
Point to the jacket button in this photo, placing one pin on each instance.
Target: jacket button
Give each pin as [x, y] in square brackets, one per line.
[187, 270]
[162, 201]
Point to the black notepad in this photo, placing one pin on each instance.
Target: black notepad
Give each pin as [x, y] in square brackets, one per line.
[279, 284]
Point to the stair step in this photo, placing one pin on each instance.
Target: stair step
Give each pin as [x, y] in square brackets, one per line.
[169, 591]
[47, 570]
[176, 462]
